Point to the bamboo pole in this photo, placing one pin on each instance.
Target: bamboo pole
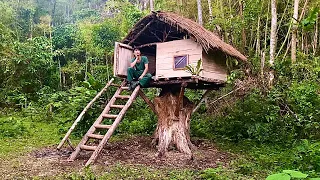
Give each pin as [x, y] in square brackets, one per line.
[204, 96]
[82, 113]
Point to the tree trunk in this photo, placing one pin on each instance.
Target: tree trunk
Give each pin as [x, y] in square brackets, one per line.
[273, 38]
[258, 39]
[173, 128]
[210, 10]
[294, 31]
[243, 33]
[151, 5]
[199, 12]
[315, 38]
[54, 3]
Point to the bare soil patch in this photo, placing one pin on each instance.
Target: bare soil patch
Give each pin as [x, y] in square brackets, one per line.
[136, 150]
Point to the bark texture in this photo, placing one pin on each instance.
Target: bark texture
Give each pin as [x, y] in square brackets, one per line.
[199, 12]
[294, 32]
[173, 128]
[273, 39]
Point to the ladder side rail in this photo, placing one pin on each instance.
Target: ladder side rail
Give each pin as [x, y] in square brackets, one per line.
[82, 113]
[85, 138]
[113, 127]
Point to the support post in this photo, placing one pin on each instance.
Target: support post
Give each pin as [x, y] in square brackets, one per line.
[180, 99]
[147, 100]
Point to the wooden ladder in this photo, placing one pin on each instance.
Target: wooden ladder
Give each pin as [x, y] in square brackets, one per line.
[98, 124]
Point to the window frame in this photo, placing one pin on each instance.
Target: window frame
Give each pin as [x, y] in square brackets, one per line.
[176, 69]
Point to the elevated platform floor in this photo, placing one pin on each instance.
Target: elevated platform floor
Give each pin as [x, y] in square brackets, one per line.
[192, 82]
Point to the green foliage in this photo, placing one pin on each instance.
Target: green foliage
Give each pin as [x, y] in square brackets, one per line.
[12, 127]
[221, 173]
[194, 70]
[308, 156]
[282, 176]
[289, 174]
[309, 22]
[105, 35]
[64, 36]
[122, 171]
[31, 68]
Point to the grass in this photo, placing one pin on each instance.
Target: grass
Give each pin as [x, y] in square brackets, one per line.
[35, 135]
[20, 134]
[123, 171]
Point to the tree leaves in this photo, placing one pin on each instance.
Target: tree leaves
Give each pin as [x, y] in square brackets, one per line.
[287, 175]
[194, 70]
[279, 176]
[309, 22]
[295, 174]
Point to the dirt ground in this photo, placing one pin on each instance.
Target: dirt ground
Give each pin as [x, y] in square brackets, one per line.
[136, 150]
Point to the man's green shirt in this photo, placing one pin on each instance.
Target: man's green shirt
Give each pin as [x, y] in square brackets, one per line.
[141, 66]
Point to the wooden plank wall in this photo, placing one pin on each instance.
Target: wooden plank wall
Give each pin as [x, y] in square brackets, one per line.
[152, 63]
[122, 57]
[214, 65]
[167, 50]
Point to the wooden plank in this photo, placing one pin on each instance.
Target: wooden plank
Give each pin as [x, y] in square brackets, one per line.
[85, 138]
[147, 45]
[113, 127]
[82, 113]
[214, 66]
[95, 136]
[111, 116]
[125, 88]
[147, 100]
[214, 75]
[117, 106]
[166, 52]
[170, 74]
[102, 126]
[179, 44]
[122, 56]
[123, 96]
[88, 148]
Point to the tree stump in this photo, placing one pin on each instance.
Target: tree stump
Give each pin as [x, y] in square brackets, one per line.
[173, 128]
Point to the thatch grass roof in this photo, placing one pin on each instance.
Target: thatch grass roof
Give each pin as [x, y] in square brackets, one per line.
[208, 40]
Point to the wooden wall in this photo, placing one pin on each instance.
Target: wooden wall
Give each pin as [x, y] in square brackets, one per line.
[214, 65]
[161, 65]
[122, 56]
[167, 50]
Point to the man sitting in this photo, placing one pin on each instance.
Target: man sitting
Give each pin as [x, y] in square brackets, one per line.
[138, 70]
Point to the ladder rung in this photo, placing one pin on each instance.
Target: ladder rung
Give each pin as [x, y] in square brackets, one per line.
[88, 148]
[117, 106]
[111, 116]
[123, 96]
[124, 88]
[95, 136]
[115, 85]
[101, 126]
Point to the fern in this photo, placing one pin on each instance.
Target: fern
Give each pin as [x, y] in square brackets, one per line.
[194, 70]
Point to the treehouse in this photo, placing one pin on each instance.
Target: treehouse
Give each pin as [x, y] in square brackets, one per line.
[171, 43]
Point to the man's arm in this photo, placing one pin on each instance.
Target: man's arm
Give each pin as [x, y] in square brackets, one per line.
[133, 62]
[146, 67]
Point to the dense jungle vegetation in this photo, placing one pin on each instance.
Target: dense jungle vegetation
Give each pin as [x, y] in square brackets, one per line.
[55, 55]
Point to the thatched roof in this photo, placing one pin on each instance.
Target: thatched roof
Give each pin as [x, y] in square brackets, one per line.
[170, 26]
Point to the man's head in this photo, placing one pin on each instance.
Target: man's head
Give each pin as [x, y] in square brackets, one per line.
[136, 52]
